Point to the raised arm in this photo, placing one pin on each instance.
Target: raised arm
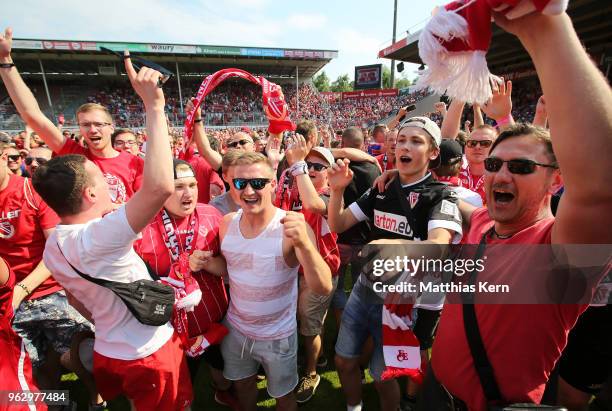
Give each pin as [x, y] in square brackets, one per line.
[540, 118]
[452, 120]
[353, 154]
[158, 177]
[201, 140]
[308, 194]
[339, 218]
[24, 100]
[582, 147]
[478, 120]
[499, 107]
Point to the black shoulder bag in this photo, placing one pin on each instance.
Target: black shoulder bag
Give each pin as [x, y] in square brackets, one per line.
[484, 369]
[149, 301]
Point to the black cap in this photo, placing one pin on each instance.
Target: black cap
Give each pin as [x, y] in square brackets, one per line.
[450, 152]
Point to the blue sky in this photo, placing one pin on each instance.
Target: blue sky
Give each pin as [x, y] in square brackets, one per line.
[357, 29]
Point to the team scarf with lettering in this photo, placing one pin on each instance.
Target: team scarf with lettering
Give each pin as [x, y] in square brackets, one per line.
[274, 104]
[401, 349]
[454, 43]
[187, 292]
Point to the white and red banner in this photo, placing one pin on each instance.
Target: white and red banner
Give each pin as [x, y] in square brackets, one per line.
[274, 104]
[387, 92]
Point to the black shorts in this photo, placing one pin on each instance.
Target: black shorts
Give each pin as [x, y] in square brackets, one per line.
[425, 326]
[586, 361]
[212, 356]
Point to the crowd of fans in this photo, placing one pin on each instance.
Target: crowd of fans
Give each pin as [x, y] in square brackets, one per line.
[248, 235]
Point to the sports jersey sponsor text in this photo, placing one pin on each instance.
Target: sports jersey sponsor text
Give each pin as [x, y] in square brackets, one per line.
[393, 223]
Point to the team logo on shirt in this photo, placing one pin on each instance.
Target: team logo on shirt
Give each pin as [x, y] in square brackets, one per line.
[413, 198]
[116, 189]
[392, 222]
[6, 230]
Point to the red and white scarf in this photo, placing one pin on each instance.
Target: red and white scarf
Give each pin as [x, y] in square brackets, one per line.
[274, 104]
[187, 292]
[454, 43]
[401, 347]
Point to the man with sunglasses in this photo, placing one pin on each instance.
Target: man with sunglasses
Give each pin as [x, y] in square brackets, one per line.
[15, 161]
[477, 147]
[122, 171]
[523, 342]
[264, 246]
[36, 157]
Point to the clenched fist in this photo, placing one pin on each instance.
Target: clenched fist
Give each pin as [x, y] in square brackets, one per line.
[295, 228]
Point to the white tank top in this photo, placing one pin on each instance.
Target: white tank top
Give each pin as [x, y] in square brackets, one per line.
[263, 288]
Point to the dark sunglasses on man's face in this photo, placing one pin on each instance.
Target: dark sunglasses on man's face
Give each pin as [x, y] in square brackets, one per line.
[14, 157]
[39, 160]
[515, 166]
[474, 143]
[317, 166]
[235, 144]
[255, 183]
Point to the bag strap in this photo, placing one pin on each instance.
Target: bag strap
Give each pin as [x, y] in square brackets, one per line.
[474, 338]
[98, 281]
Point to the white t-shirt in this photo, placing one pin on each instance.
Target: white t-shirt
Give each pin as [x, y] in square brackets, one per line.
[467, 195]
[102, 248]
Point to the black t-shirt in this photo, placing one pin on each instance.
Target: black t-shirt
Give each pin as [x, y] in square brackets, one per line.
[364, 174]
[431, 205]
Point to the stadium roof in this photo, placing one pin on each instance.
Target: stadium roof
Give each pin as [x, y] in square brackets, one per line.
[69, 57]
[592, 20]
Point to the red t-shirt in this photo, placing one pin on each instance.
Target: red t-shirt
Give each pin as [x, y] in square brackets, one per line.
[474, 183]
[522, 341]
[15, 367]
[385, 161]
[152, 249]
[23, 217]
[123, 173]
[205, 176]
[288, 198]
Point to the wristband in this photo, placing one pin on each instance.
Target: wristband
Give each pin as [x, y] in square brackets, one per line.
[7, 65]
[504, 121]
[23, 286]
[197, 120]
[299, 168]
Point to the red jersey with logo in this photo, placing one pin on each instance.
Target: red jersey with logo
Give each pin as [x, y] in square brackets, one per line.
[15, 367]
[23, 217]
[386, 162]
[472, 182]
[123, 173]
[153, 250]
[288, 198]
[522, 341]
[205, 175]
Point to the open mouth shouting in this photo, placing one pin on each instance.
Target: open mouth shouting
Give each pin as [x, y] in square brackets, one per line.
[502, 196]
[405, 159]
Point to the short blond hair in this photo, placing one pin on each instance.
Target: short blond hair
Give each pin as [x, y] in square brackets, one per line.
[89, 107]
[229, 159]
[250, 158]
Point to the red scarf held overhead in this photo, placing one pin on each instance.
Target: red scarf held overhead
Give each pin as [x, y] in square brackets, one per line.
[274, 104]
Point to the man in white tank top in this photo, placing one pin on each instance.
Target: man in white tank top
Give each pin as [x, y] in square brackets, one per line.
[263, 246]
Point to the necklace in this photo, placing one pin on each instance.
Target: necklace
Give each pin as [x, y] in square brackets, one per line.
[500, 236]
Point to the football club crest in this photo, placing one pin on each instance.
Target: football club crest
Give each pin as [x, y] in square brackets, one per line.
[6, 230]
[413, 198]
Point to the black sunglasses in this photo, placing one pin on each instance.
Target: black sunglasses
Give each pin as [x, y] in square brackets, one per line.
[235, 144]
[474, 143]
[317, 166]
[39, 160]
[14, 157]
[139, 62]
[515, 166]
[255, 183]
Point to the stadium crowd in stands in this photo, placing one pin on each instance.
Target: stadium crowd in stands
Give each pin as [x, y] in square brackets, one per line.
[249, 234]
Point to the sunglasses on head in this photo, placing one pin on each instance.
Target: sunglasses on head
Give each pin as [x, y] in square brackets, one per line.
[39, 160]
[14, 157]
[235, 144]
[515, 166]
[139, 62]
[474, 143]
[255, 183]
[317, 166]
